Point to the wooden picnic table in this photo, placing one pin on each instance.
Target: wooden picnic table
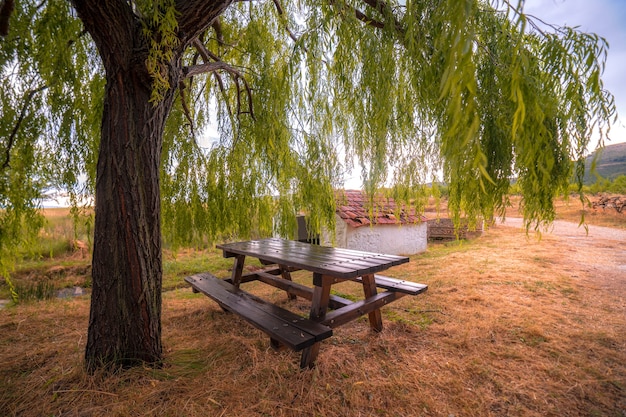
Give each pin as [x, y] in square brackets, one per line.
[329, 266]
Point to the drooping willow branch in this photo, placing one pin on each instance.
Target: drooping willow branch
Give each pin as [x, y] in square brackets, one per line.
[532, 19]
[28, 96]
[20, 119]
[281, 12]
[296, 39]
[183, 100]
[204, 52]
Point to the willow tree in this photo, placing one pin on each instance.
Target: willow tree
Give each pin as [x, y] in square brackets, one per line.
[112, 98]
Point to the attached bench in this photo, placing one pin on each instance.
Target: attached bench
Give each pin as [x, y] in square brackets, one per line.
[396, 289]
[281, 325]
[398, 285]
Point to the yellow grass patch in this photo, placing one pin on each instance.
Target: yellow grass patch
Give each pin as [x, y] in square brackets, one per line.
[572, 209]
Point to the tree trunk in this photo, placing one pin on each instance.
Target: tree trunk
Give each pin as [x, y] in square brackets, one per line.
[125, 318]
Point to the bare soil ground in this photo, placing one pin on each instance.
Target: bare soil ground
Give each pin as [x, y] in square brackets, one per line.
[598, 249]
[511, 325]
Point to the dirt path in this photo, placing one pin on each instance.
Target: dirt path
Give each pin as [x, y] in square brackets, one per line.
[601, 251]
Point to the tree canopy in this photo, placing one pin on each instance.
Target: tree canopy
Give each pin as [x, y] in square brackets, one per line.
[301, 93]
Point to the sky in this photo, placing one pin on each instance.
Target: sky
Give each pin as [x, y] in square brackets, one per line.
[606, 18]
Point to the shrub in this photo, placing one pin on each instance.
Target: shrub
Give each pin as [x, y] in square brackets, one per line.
[618, 185]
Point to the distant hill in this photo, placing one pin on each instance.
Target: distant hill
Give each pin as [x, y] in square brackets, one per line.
[611, 163]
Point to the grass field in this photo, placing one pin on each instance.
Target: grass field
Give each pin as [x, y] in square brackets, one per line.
[510, 326]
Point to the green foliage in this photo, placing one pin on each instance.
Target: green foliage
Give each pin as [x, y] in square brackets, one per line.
[177, 267]
[37, 291]
[306, 92]
[50, 106]
[159, 27]
[605, 185]
[600, 186]
[53, 236]
[618, 185]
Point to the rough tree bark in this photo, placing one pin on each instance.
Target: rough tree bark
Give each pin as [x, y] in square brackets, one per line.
[125, 318]
[124, 325]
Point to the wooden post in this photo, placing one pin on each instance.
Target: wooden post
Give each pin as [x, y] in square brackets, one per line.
[284, 272]
[319, 306]
[369, 287]
[238, 270]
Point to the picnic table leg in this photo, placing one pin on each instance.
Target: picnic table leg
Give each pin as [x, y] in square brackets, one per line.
[375, 317]
[319, 305]
[284, 272]
[238, 270]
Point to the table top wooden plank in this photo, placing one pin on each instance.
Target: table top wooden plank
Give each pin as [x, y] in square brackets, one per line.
[338, 262]
[322, 253]
[325, 251]
[326, 255]
[337, 265]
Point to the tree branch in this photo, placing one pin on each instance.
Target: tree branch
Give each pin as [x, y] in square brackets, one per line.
[220, 84]
[378, 5]
[213, 64]
[27, 100]
[217, 27]
[196, 16]
[204, 52]
[193, 70]
[383, 8]
[20, 119]
[370, 22]
[99, 17]
[281, 13]
[6, 9]
[183, 100]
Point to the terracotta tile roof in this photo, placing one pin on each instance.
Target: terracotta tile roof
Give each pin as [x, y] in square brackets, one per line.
[353, 207]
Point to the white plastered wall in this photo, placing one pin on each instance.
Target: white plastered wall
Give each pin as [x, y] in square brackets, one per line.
[393, 239]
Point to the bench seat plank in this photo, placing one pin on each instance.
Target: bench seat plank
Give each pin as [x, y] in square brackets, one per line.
[288, 328]
[398, 285]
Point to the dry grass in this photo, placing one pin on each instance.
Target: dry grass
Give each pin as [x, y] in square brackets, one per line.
[573, 210]
[570, 209]
[509, 326]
